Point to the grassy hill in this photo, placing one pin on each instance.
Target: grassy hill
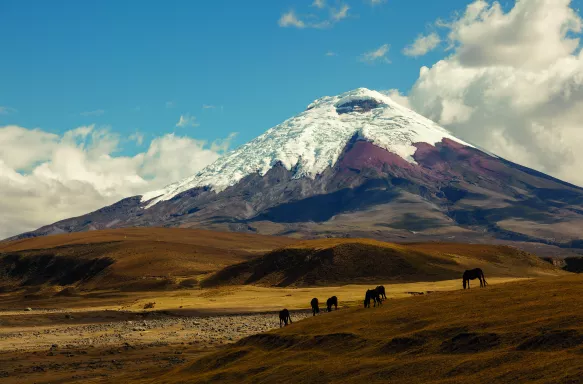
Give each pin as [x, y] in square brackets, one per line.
[133, 258]
[340, 261]
[525, 332]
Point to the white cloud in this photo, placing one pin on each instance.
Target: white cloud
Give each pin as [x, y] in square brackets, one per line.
[319, 4]
[397, 97]
[513, 84]
[330, 53]
[290, 19]
[46, 177]
[206, 106]
[379, 54]
[6, 110]
[170, 104]
[334, 15]
[422, 45]
[375, 2]
[187, 121]
[97, 112]
[340, 13]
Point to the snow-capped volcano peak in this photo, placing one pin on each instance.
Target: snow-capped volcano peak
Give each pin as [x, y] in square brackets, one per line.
[314, 140]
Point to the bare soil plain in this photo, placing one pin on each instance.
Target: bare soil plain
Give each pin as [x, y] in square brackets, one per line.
[178, 305]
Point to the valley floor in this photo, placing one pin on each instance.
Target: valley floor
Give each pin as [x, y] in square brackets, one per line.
[109, 337]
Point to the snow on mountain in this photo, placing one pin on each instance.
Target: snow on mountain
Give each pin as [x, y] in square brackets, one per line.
[313, 140]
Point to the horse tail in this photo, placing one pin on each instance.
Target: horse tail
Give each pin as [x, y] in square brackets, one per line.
[484, 278]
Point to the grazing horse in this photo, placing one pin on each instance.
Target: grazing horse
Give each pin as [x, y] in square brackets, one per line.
[374, 295]
[333, 301]
[472, 274]
[284, 317]
[381, 290]
[314, 304]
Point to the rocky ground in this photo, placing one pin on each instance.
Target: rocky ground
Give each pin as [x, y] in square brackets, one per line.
[158, 328]
[69, 353]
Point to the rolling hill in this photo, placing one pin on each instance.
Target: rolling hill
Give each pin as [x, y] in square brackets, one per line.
[143, 259]
[132, 259]
[331, 262]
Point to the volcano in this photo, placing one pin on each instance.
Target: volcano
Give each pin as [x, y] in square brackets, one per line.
[358, 164]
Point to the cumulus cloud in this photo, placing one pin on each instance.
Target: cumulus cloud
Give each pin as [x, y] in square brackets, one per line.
[397, 97]
[95, 113]
[422, 45]
[46, 177]
[512, 84]
[187, 121]
[379, 54]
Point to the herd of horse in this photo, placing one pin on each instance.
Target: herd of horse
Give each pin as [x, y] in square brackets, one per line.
[377, 296]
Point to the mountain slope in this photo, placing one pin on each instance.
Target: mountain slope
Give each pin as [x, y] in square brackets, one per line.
[359, 165]
[312, 141]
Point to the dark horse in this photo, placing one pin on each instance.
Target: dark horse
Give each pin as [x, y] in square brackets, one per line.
[472, 274]
[381, 290]
[314, 304]
[284, 317]
[372, 294]
[333, 301]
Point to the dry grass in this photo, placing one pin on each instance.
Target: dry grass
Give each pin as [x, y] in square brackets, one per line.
[221, 300]
[166, 259]
[326, 262]
[143, 258]
[524, 332]
[196, 237]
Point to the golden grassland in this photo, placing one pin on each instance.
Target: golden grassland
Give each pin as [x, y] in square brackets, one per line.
[167, 259]
[520, 332]
[143, 359]
[526, 326]
[221, 300]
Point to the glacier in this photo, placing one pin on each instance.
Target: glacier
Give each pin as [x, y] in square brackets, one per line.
[313, 140]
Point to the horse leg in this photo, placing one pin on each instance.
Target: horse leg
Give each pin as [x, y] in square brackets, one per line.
[290, 321]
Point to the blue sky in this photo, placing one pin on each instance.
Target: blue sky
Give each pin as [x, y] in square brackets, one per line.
[138, 66]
